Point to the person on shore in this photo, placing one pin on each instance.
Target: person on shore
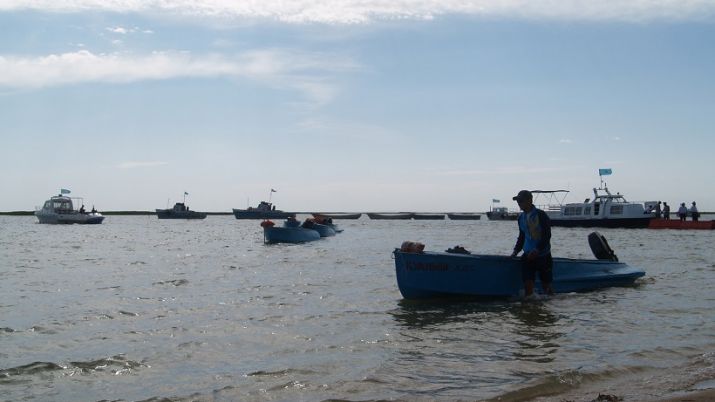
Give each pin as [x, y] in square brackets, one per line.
[657, 210]
[535, 239]
[694, 212]
[666, 211]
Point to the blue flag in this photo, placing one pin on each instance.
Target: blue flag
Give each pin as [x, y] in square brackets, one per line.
[64, 191]
[604, 172]
[494, 200]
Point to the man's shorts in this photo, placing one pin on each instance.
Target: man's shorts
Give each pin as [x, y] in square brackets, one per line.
[543, 265]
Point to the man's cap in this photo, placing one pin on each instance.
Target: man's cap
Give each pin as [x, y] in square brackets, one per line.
[523, 195]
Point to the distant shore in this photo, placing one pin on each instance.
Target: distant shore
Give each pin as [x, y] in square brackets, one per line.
[27, 213]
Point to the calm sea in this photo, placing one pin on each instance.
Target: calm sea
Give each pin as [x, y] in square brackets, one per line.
[145, 309]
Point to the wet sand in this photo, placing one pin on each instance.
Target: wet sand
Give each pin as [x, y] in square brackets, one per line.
[707, 395]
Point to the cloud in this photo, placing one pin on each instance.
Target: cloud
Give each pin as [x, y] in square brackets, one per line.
[119, 30]
[307, 73]
[365, 11]
[133, 164]
[565, 141]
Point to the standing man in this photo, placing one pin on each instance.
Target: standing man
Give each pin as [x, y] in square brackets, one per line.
[694, 214]
[535, 240]
[682, 212]
[666, 211]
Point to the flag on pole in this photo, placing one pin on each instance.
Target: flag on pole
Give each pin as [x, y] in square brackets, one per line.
[273, 191]
[185, 193]
[494, 200]
[64, 191]
[604, 172]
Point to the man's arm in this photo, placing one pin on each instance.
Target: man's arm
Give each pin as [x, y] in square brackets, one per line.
[545, 224]
[519, 243]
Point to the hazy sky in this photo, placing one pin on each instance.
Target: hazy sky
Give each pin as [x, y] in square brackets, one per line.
[354, 105]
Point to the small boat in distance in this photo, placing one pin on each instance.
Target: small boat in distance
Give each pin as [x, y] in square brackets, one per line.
[463, 216]
[337, 215]
[434, 275]
[60, 209]
[399, 215]
[291, 232]
[264, 210]
[425, 216]
[501, 214]
[180, 211]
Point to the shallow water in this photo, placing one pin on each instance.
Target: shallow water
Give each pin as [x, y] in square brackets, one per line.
[140, 308]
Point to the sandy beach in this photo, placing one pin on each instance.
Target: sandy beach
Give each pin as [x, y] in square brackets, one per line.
[694, 396]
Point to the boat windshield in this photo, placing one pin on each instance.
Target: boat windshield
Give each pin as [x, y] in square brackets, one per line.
[62, 205]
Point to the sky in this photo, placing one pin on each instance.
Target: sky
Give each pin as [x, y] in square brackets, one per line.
[354, 105]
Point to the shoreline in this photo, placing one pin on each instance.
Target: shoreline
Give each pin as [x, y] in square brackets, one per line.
[702, 395]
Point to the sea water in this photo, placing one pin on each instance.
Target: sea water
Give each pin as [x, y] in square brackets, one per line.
[144, 309]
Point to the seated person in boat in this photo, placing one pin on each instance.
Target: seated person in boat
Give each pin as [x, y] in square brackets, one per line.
[535, 239]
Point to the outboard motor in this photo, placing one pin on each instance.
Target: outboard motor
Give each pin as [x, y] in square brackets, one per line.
[599, 246]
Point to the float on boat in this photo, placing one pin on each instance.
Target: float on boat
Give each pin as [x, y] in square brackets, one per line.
[464, 216]
[398, 215]
[678, 224]
[337, 215]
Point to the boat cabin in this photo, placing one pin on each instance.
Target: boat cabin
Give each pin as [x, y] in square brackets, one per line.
[603, 205]
[263, 206]
[180, 207]
[59, 204]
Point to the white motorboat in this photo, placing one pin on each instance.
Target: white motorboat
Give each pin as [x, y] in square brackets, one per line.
[605, 210]
[61, 209]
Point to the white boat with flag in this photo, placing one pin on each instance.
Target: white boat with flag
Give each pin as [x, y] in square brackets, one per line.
[62, 209]
[606, 209]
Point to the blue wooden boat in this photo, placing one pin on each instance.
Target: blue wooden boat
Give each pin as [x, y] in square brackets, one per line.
[323, 230]
[431, 275]
[324, 221]
[290, 232]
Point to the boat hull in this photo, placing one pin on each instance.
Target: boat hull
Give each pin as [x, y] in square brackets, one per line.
[432, 275]
[632, 223]
[677, 224]
[171, 214]
[337, 216]
[67, 219]
[248, 214]
[502, 216]
[424, 217]
[289, 235]
[464, 217]
[398, 216]
[323, 230]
